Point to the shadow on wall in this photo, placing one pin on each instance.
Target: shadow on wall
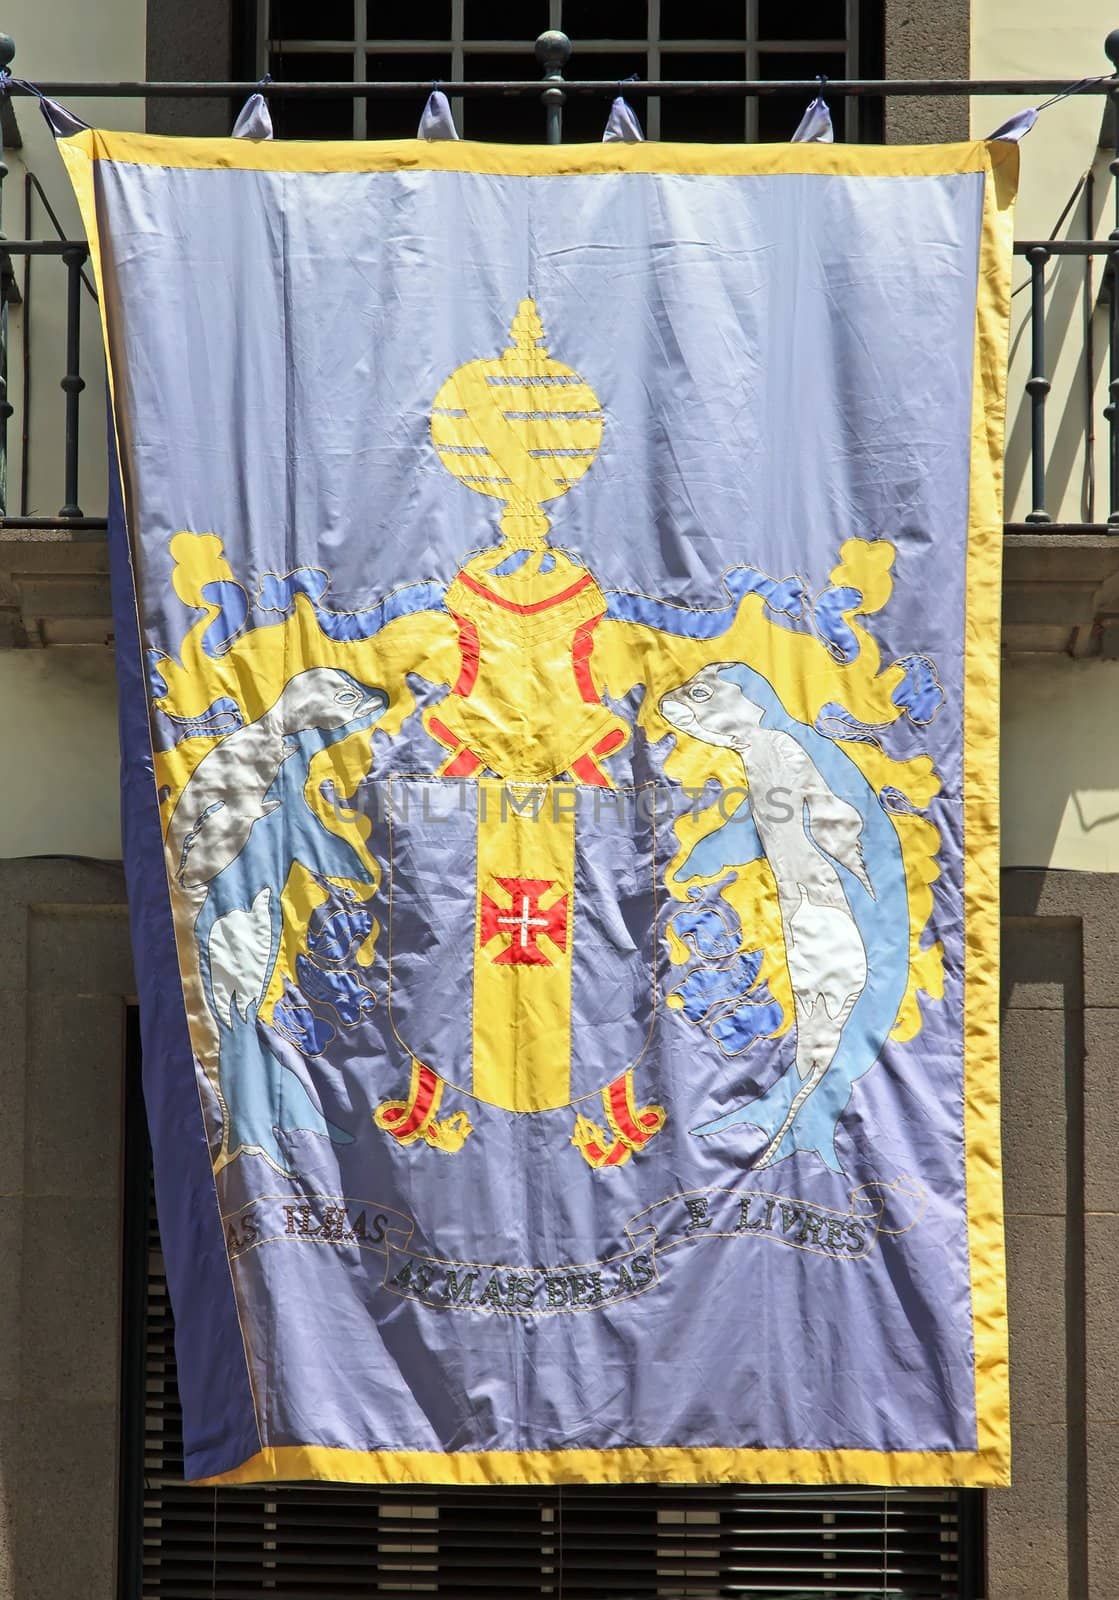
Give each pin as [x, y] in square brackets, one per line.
[59, 783]
[1076, 334]
[1060, 764]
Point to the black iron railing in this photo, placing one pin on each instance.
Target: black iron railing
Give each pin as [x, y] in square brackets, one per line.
[553, 50]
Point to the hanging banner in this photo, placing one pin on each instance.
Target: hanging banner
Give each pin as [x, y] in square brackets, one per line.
[558, 598]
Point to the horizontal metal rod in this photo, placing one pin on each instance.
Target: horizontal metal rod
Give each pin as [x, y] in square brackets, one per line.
[100, 525]
[42, 247]
[747, 87]
[1054, 247]
[586, 47]
[75, 524]
[1067, 247]
[1061, 529]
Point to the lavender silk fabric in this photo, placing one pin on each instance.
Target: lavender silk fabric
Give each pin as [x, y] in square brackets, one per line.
[784, 363]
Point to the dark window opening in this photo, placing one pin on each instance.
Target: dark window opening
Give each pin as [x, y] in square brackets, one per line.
[353, 41]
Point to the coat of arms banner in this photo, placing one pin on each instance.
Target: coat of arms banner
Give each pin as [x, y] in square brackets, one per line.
[557, 596]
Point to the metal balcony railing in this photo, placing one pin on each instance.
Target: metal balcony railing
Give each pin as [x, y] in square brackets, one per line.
[553, 50]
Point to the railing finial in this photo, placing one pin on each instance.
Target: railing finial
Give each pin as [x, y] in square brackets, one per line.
[1111, 48]
[553, 51]
[7, 50]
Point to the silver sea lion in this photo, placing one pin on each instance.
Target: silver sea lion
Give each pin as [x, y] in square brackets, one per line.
[804, 828]
[227, 792]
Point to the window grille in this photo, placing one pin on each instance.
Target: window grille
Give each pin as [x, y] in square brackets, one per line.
[359, 41]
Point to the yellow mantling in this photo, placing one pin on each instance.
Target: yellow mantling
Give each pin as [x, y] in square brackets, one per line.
[252, 673]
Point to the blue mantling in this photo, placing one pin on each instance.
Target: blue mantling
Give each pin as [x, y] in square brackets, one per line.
[785, 596]
[277, 600]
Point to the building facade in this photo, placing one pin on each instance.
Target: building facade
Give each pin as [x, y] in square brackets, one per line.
[75, 1273]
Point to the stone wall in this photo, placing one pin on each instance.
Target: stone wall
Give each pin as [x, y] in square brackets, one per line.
[67, 979]
[1055, 1534]
[66, 976]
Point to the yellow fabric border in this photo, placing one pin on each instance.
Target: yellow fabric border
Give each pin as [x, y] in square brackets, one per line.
[982, 1131]
[989, 1465]
[910, 1468]
[535, 161]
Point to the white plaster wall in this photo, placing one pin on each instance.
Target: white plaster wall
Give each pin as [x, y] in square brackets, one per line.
[1029, 39]
[58, 780]
[1060, 754]
[97, 40]
[58, 732]
[1060, 764]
